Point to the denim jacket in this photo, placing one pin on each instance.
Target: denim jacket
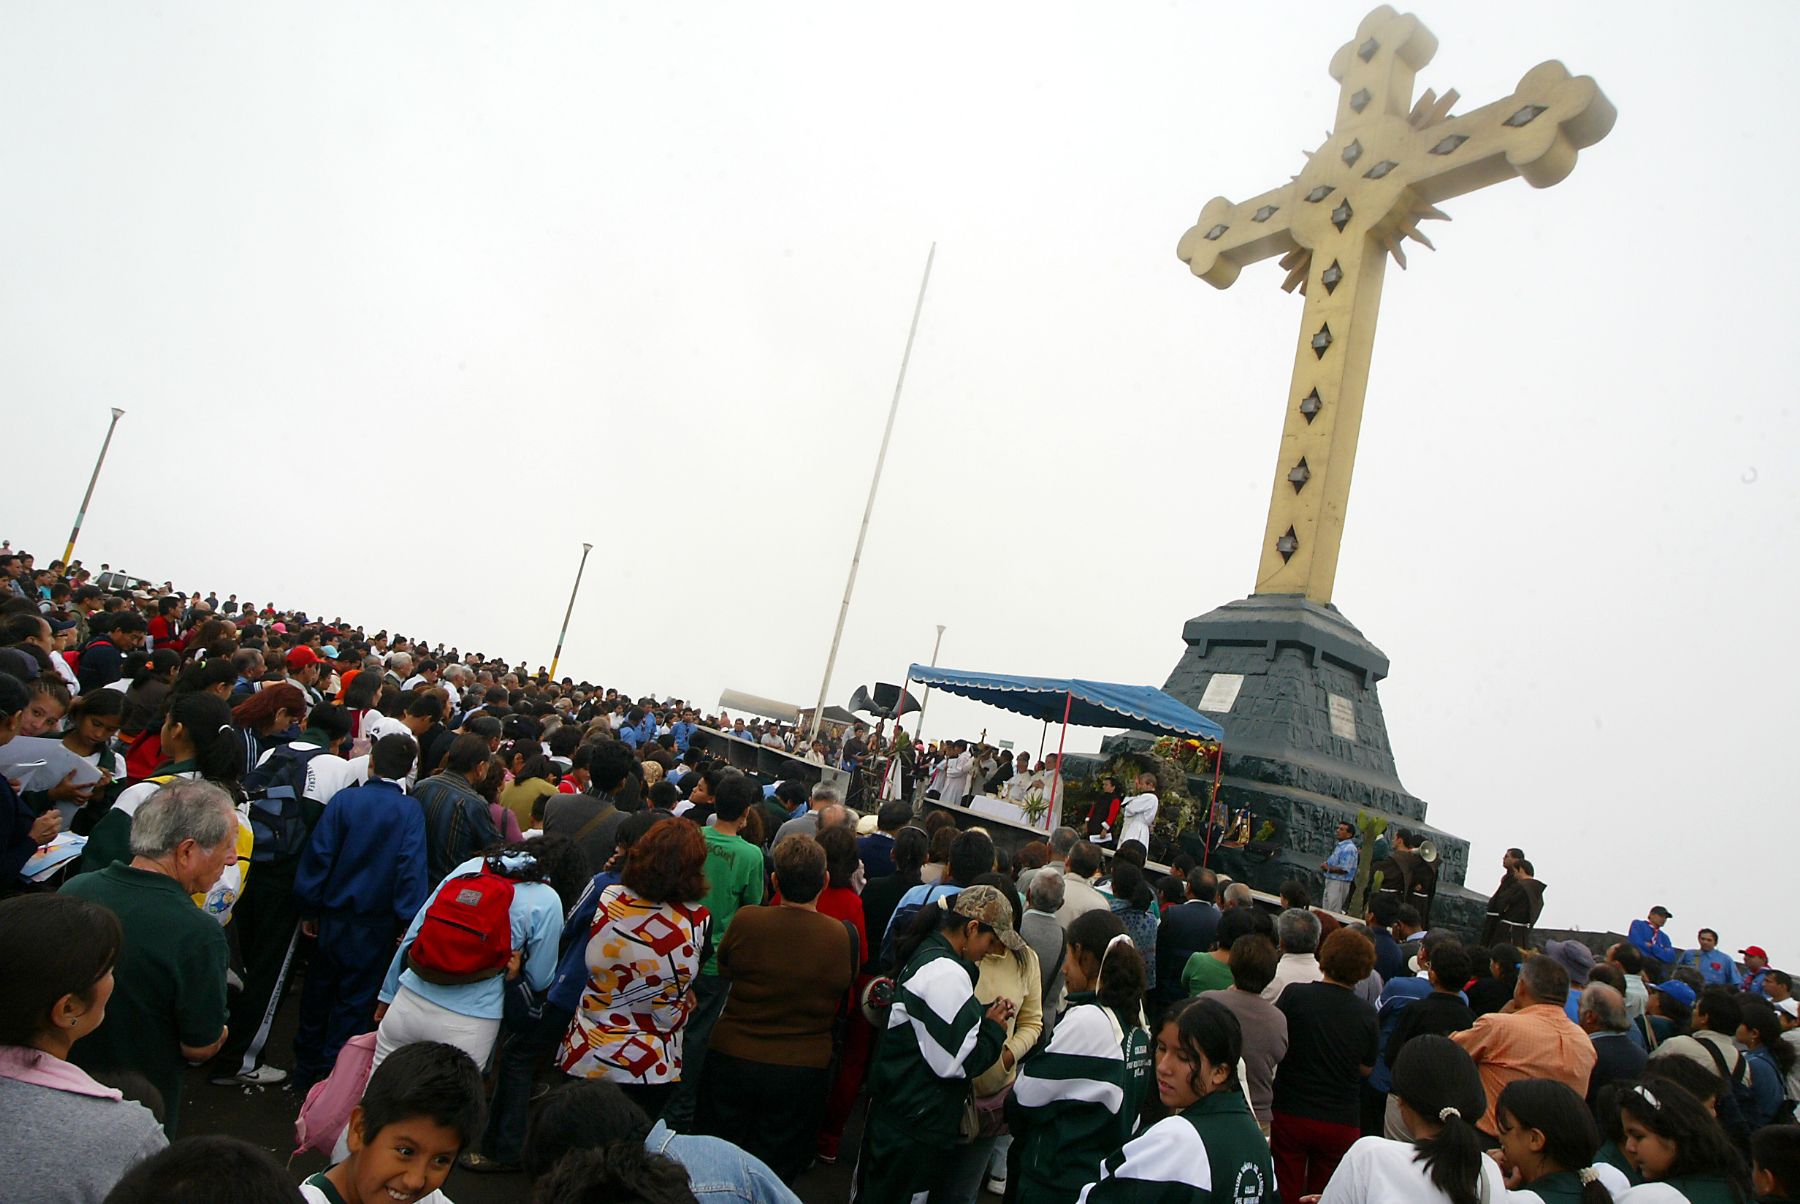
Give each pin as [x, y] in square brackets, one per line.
[717, 1170]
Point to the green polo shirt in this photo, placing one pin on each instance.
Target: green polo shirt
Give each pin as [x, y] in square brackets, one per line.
[734, 879]
[168, 985]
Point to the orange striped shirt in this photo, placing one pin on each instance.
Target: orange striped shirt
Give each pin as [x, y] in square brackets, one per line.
[1536, 1042]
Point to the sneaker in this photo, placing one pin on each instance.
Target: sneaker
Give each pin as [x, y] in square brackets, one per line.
[997, 1186]
[262, 1076]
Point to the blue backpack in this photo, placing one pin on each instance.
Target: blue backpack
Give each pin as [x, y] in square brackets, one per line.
[902, 923]
[276, 790]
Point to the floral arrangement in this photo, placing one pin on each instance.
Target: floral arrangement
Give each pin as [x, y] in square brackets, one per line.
[1034, 806]
[1190, 756]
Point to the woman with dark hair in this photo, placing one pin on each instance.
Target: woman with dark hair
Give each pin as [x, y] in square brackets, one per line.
[1077, 1099]
[644, 948]
[505, 822]
[1675, 1141]
[59, 953]
[1132, 901]
[149, 689]
[937, 862]
[1210, 1148]
[840, 901]
[1315, 1111]
[938, 1037]
[199, 741]
[214, 677]
[881, 896]
[1550, 1146]
[791, 968]
[1771, 1058]
[534, 777]
[93, 722]
[418, 1003]
[1441, 1098]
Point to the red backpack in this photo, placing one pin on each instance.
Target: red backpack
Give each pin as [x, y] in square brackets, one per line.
[466, 935]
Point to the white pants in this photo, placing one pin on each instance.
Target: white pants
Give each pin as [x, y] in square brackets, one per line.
[413, 1018]
[1336, 894]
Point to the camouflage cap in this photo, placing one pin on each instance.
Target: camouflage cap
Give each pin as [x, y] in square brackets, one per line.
[989, 906]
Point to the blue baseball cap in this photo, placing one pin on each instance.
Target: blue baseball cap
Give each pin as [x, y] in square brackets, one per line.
[1677, 990]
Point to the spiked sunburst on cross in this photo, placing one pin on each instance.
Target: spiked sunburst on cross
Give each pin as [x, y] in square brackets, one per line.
[1384, 167]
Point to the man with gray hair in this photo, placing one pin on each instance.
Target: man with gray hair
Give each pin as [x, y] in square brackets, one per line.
[807, 823]
[1042, 931]
[1236, 894]
[1618, 1058]
[399, 668]
[1299, 933]
[168, 1000]
[1061, 841]
[1536, 1040]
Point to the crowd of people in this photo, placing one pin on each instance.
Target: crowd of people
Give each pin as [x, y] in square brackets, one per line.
[539, 931]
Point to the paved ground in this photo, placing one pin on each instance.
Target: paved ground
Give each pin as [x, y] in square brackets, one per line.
[265, 1116]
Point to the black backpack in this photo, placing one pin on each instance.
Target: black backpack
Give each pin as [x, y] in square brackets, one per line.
[1737, 1103]
[276, 790]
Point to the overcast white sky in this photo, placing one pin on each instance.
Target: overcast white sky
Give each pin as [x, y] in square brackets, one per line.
[405, 301]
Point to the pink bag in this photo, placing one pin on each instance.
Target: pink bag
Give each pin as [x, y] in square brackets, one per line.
[326, 1112]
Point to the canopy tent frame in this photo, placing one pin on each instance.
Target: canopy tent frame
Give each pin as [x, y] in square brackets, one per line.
[1101, 704]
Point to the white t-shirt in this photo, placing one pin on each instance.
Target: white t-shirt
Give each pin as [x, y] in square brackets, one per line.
[326, 774]
[316, 1195]
[1379, 1171]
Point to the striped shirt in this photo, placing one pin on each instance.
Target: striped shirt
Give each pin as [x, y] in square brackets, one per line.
[937, 1040]
[1212, 1153]
[1076, 1100]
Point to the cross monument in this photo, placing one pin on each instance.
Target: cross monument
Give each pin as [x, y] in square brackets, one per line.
[1293, 681]
[1383, 169]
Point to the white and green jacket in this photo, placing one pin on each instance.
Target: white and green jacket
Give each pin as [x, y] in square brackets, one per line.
[1076, 1100]
[937, 1040]
[1212, 1153]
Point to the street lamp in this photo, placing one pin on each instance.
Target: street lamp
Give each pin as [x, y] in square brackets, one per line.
[557, 655]
[69, 552]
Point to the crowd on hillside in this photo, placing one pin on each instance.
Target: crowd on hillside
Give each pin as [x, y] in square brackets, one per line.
[533, 928]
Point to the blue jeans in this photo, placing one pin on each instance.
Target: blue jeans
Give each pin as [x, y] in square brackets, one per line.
[522, 1051]
[709, 1001]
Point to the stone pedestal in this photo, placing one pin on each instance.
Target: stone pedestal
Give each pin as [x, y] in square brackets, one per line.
[1294, 684]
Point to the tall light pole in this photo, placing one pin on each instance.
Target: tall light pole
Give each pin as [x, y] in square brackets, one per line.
[69, 552]
[869, 506]
[925, 699]
[557, 655]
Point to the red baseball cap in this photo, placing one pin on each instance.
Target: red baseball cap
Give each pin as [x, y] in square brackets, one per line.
[302, 656]
[1755, 951]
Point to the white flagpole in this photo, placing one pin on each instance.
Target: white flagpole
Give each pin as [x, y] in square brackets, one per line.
[869, 506]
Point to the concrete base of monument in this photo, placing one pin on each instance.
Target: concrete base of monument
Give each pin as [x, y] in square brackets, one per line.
[1306, 745]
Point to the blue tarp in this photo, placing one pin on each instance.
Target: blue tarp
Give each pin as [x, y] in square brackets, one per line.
[1096, 703]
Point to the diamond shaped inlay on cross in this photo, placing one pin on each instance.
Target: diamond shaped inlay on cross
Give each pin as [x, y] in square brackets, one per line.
[1420, 154]
[1287, 545]
[1217, 232]
[1299, 475]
